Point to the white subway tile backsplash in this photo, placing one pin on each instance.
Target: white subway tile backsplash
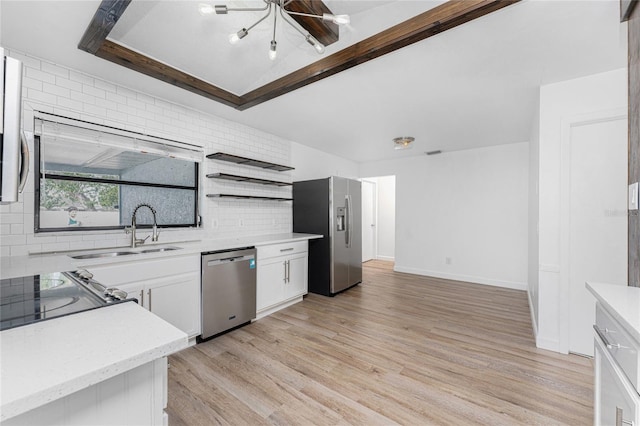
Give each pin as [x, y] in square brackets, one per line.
[39, 96]
[66, 83]
[55, 89]
[70, 104]
[96, 93]
[31, 83]
[94, 110]
[54, 69]
[36, 74]
[107, 87]
[83, 97]
[118, 99]
[81, 78]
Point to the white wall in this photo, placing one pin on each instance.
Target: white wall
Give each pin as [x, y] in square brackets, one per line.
[54, 89]
[560, 102]
[467, 206]
[311, 163]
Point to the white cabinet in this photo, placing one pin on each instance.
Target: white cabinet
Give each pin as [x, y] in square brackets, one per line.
[281, 276]
[616, 369]
[168, 287]
[616, 402]
[135, 397]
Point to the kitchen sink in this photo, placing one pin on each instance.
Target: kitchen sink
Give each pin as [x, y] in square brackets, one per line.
[156, 250]
[122, 253]
[99, 255]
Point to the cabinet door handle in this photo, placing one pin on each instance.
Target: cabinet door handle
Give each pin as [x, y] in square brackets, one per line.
[608, 344]
[149, 295]
[288, 271]
[141, 297]
[284, 263]
[287, 249]
[620, 421]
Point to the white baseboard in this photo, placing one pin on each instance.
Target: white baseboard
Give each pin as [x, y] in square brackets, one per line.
[547, 344]
[467, 278]
[387, 258]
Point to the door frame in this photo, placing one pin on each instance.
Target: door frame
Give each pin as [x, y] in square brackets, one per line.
[565, 211]
[374, 206]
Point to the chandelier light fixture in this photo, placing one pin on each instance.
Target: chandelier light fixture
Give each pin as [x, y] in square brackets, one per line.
[275, 6]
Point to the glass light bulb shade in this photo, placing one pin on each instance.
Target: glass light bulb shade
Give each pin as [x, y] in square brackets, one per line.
[233, 38]
[337, 19]
[272, 50]
[205, 9]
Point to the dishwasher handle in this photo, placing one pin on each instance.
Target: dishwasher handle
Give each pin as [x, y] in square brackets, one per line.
[229, 260]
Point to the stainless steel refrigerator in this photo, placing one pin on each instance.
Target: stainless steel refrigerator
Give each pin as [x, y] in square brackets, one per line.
[331, 207]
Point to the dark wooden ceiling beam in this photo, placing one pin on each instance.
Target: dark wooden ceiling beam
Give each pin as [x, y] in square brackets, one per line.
[133, 60]
[101, 24]
[325, 32]
[427, 24]
[626, 9]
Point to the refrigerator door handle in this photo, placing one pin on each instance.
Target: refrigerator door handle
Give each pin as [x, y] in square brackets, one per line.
[349, 219]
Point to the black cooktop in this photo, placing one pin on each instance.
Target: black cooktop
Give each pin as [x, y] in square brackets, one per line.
[26, 300]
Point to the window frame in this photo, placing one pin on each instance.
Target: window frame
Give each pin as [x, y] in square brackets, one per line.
[38, 174]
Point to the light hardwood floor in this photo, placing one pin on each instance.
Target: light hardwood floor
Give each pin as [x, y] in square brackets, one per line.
[398, 348]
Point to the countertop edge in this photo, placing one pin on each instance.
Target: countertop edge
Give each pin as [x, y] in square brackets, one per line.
[597, 289]
[25, 403]
[19, 266]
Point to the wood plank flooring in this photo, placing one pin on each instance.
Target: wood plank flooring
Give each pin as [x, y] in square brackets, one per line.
[397, 349]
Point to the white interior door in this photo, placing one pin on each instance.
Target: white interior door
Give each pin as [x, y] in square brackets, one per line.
[368, 220]
[598, 220]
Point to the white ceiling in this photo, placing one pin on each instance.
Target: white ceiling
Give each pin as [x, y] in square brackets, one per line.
[475, 85]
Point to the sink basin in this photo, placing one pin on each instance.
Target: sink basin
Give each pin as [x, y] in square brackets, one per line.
[157, 250]
[98, 255]
[123, 253]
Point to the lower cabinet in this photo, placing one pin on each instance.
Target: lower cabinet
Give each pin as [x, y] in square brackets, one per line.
[168, 287]
[281, 276]
[616, 402]
[135, 397]
[170, 299]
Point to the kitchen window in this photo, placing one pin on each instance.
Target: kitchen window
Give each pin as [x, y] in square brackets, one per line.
[91, 177]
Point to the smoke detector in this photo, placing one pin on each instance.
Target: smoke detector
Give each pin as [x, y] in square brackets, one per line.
[403, 142]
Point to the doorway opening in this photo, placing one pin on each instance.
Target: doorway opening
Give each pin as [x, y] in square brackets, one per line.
[378, 218]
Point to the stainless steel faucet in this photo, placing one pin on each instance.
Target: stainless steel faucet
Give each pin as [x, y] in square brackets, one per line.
[136, 241]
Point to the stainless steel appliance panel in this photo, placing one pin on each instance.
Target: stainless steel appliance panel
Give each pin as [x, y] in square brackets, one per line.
[331, 207]
[228, 290]
[340, 249]
[355, 232]
[13, 145]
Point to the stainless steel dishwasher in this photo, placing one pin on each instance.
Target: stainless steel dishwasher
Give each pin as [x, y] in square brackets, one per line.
[228, 290]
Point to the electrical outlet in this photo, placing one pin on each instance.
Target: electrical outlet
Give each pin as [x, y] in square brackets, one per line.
[447, 260]
[214, 223]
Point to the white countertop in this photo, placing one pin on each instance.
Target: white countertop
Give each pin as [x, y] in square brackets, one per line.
[48, 360]
[622, 302]
[20, 266]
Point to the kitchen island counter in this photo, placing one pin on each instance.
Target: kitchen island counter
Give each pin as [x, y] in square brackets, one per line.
[49, 360]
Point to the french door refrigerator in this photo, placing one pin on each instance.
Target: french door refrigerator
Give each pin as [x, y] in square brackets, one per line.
[331, 207]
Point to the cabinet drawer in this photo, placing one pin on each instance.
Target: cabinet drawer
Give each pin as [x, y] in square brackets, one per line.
[621, 346]
[265, 252]
[140, 270]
